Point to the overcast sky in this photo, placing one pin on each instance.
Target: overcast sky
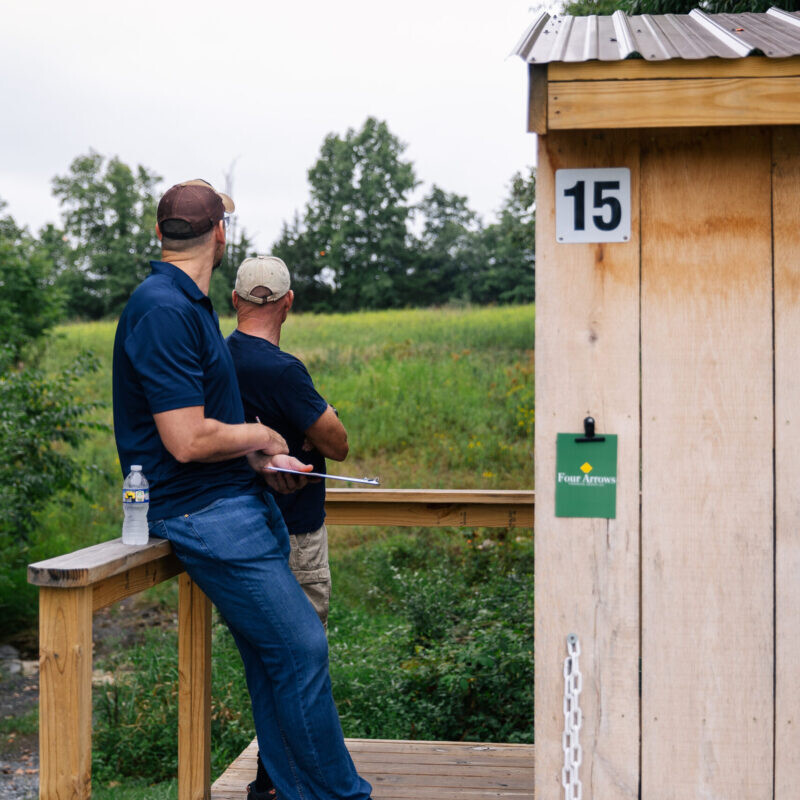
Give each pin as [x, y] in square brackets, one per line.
[184, 88]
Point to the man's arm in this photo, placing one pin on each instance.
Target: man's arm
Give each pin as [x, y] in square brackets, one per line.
[329, 436]
[191, 436]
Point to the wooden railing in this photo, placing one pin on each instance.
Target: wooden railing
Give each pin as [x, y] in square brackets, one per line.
[74, 586]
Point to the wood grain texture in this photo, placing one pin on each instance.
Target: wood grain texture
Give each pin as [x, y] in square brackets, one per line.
[587, 570]
[417, 770]
[194, 691]
[707, 489]
[537, 98]
[750, 67]
[424, 496]
[786, 233]
[431, 514]
[135, 580]
[65, 694]
[92, 564]
[603, 105]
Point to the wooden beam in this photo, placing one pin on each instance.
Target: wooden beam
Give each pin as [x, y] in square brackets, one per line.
[537, 98]
[500, 509]
[431, 515]
[423, 496]
[65, 694]
[786, 244]
[92, 564]
[117, 570]
[194, 691]
[751, 67]
[135, 580]
[610, 104]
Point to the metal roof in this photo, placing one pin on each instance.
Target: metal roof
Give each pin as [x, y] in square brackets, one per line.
[659, 37]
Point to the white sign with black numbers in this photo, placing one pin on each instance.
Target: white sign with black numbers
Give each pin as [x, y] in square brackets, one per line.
[593, 205]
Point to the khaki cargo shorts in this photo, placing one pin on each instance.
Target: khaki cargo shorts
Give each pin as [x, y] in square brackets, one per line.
[308, 561]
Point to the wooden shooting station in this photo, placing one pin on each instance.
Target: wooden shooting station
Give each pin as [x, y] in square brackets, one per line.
[74, 586]
[683, 341]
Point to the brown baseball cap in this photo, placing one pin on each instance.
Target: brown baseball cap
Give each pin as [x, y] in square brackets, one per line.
[191, 208]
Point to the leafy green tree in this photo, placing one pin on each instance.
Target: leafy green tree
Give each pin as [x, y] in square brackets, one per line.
[586, 7]
[447, 257]
[29, 303]
[507, 260]
[108, 212]
[38, 413]
[298, 248]
[357, 216]
[238, 247]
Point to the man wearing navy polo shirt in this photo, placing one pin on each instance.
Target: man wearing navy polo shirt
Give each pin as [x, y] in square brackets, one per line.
[178, 412]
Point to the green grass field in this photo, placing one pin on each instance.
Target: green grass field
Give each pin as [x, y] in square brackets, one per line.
[439, 398]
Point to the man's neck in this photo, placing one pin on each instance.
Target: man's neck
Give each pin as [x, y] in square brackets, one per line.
[265, 328]
[198, 268]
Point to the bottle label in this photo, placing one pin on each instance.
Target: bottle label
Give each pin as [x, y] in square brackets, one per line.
[135, 496]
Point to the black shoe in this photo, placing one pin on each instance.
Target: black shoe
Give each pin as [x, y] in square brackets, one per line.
[262, 787]
[254, 794]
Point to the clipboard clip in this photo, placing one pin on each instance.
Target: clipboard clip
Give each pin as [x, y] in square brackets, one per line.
[588, 431]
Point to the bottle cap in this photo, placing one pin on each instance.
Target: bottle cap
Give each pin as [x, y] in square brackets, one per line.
[136, 467]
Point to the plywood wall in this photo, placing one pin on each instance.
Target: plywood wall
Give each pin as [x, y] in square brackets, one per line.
[683, 339]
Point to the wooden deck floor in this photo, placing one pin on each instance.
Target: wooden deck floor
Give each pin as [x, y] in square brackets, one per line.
[401, 770]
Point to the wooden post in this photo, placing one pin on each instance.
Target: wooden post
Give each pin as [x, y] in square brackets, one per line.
[65, 693]
[786, 227]
[587, 570]
[194, 691]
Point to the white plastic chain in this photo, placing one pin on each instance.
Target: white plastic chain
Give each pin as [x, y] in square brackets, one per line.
[573, 719]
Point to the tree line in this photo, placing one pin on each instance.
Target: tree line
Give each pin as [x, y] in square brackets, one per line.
[579, 8]
[359, 243]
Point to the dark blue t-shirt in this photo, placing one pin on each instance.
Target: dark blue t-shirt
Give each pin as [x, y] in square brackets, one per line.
[277, 388]
[169, 353]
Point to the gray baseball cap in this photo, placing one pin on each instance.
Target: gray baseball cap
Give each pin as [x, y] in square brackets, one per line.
[267, 271]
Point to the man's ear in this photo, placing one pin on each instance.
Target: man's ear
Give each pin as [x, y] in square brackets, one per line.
[290, 302]
[235, 300]
[219, 232]
[158, 232]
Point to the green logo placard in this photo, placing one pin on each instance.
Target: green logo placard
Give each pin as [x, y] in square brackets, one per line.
[586, 476]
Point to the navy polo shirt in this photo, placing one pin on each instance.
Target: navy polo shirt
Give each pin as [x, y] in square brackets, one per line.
[169, 353]
[277, 388]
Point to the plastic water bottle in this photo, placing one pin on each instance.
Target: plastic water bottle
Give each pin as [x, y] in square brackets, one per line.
[135, 504]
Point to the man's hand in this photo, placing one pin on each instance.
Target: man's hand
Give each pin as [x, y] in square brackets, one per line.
[276, 444]
[281, 481]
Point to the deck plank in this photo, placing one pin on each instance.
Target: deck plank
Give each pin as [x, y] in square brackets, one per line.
[403, 770]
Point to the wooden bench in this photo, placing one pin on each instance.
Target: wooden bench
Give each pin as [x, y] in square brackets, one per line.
[75, 585]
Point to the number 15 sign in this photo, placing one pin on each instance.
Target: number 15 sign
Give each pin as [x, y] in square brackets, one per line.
[593, 205]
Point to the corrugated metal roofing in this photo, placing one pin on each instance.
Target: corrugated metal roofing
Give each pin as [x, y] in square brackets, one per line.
[659, 37]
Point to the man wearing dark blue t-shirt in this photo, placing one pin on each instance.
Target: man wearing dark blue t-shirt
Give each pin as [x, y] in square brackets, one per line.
[178, 412]
[278, 391]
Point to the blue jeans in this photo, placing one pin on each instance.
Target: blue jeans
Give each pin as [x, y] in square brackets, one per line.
[237, 551]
